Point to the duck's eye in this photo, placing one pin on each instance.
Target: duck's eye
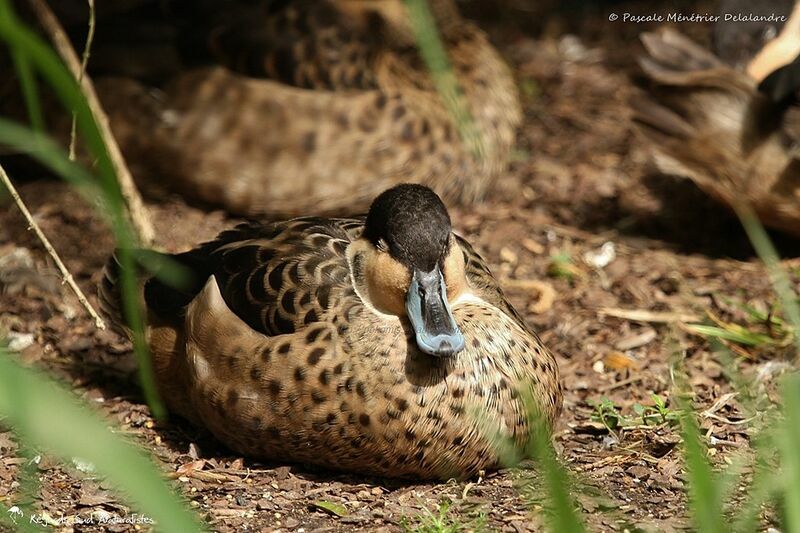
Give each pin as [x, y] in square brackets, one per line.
[382, 246]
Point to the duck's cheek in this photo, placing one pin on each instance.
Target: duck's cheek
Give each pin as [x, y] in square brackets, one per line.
[380, 281]
[388, 282]
[454, 273]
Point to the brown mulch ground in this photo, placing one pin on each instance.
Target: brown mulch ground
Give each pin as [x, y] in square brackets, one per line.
[580, 179]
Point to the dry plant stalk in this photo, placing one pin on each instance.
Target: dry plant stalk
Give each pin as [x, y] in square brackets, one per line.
[133, 200]
[84, 62]
[65, 274]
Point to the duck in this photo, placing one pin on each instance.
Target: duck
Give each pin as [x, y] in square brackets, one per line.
[283, 108]
[379, 344]
[733, 132]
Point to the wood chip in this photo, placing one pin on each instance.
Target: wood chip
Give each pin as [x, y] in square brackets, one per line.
[635, 341]
[589, 428]
[532, 246]
[542, 289]
[507, 255]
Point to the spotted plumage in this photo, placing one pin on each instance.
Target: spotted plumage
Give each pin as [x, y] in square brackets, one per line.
[286, 347]
[313, 106]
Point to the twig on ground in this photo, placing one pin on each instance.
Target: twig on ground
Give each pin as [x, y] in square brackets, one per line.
[643, 315]
[65, 274]
[618, 384]
[133, 200]
[546, 293]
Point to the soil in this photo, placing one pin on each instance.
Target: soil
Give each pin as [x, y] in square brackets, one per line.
[580, 179]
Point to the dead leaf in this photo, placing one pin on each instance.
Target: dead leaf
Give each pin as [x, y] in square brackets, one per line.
[635, 341]
[616, 360]
[187, 469]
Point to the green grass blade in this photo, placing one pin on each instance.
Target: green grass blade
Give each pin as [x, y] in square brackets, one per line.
[761, 490]
[42, 148]
[22, 39]
[19, 37]
[433, 53]
[562, 516]
[747, 338]
[704, 491]
[47, 152]
[790, 458]
[27, 80]
[30, 90]
[40, 411]
[767, 253]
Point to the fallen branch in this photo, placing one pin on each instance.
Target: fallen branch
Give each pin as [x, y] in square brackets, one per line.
[65, 274]
[133, 200]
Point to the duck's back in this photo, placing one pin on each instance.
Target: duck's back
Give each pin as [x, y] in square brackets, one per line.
[276, 277]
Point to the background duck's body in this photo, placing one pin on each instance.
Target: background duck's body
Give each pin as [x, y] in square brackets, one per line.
[278, 350]
[314, 106]
[710, 123]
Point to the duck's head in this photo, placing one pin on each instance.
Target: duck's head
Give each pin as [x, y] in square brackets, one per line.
[412, 265]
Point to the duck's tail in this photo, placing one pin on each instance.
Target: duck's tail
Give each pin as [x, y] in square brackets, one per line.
[109, 293]
[165, 296]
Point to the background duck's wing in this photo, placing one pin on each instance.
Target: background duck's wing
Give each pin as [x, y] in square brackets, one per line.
[323, 44]
[308, 44]
[276, 277]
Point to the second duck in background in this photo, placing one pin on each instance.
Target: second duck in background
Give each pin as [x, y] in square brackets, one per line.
[282, 108]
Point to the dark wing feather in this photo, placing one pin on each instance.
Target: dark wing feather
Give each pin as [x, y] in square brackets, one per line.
[276, 277]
